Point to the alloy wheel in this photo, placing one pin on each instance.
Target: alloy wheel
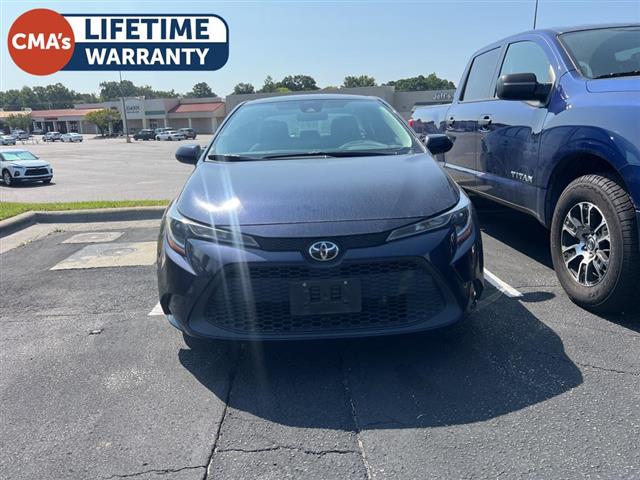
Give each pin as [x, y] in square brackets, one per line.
[586, 244]
[6, 177]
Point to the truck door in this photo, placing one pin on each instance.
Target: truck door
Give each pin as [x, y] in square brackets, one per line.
[509, 137]
[461, 120]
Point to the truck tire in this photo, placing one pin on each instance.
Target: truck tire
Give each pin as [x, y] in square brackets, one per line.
[594, 245]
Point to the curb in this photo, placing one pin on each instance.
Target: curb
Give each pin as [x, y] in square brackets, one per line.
[27, 219]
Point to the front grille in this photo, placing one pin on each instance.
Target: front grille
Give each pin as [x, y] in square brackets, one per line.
[36, 171]
[254, 298]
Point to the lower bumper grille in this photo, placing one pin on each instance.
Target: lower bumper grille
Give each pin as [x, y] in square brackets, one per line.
[36, 171]
[254, 298]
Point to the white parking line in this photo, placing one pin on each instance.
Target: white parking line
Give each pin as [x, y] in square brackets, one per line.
[501, 285]
[157, 310]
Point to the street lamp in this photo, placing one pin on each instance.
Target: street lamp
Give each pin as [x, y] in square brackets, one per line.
[124, 111]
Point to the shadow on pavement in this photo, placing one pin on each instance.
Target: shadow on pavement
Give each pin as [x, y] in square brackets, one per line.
[27, 184]
[520, 231]
[501, 360]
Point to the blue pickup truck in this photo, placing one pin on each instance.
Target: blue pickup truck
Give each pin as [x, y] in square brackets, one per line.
[548, 122]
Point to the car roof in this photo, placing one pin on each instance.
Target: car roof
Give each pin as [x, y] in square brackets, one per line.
[13, 150]
[310, 96]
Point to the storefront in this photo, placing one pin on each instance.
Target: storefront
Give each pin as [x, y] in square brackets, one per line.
[64, 120]
[201, 114]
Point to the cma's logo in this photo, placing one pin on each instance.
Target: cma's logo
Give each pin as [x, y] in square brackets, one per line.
[523, 177]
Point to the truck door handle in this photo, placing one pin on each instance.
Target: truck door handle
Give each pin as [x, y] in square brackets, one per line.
[485, 121]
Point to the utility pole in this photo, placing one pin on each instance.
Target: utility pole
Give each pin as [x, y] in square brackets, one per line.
[535, 16]
[124, 111]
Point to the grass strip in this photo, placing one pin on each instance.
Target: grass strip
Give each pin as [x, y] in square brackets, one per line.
[11, 209]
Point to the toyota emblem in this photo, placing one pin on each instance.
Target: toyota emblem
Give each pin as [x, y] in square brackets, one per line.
[323, 251]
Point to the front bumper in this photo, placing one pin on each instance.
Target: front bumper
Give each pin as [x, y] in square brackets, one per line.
[32, 178]
[408, 285]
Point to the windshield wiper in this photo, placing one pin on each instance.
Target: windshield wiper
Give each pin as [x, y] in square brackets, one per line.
[619, 74]
[220, 157]
[339, 153]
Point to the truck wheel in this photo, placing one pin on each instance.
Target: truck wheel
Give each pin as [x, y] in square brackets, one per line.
[594, 245]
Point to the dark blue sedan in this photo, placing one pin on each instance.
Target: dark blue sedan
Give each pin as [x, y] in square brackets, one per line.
[317, 216]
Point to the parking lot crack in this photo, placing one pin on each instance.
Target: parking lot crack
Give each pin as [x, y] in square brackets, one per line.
[354, 416]
[586, 365]
[156, 471]
[275, 448]
[232, 377]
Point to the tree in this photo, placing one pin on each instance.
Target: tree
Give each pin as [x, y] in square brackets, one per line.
[85, 98]
[103, 118]
[360, 81]
[269, 85]
[201, 90]
[430, 82]
[19, 120]
[114, 90]
[298, 83]
[60, 96]
[126, 88]
[243, 88]
[37, 98]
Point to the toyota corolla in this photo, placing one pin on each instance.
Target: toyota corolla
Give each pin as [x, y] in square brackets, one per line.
[317, 216]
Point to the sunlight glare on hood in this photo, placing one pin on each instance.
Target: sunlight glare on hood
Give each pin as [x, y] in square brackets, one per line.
[230, 205]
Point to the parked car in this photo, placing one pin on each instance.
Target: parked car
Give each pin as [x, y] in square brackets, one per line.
[71, 137]
[20, 134]
[144, 134]
[189, 133]
[37, 131]
[52, 137]
[162, 129]
[547, 122]
[170, 135]
[381, 241]
[23, 166]
[7, 140]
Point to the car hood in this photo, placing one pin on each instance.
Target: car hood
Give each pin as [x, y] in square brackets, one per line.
[621, 84]
[314, 190]
[29, 163]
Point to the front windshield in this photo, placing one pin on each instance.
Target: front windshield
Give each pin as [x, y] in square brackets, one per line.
[605, 52]
[306, 127]
[18, 156]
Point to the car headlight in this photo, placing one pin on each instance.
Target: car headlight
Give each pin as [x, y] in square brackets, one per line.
[181, 229]
[459, 217]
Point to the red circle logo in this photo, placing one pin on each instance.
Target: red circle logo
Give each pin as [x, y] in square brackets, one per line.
[41, 41]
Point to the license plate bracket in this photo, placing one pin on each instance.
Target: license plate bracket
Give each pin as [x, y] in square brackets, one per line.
[313, 297]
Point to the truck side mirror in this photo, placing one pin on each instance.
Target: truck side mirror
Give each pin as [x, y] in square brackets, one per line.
[438, 143]
[522, 86]
[188, 154]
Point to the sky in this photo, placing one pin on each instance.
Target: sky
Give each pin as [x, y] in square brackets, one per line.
[326, 39]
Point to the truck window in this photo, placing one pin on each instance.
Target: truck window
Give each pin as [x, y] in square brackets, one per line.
[527, 57]
[605, 52]
[480, 78]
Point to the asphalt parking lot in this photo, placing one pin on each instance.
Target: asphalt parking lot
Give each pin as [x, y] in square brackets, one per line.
[93, 386]
[105, 169]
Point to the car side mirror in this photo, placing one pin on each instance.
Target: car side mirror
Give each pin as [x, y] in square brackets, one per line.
[188, 154]
[438, 143]
[522, 86]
